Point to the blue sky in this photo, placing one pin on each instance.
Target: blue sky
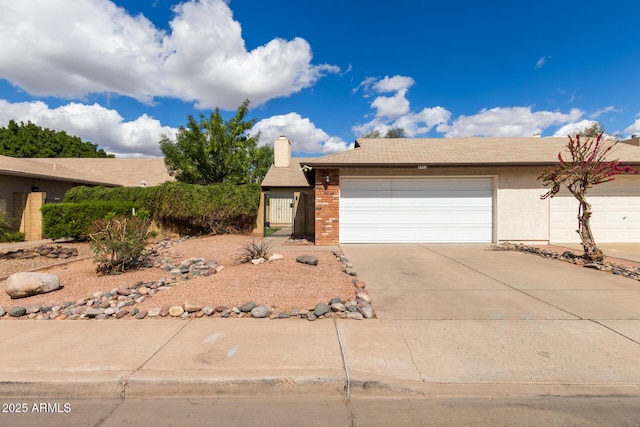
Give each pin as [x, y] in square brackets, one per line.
[122, 73]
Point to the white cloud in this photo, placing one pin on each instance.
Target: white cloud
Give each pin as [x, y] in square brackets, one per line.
[506, 122]
[305, 137]
[634, 129]
[94, 123]
[609, 109]
[391, 106]
[542, 61]
[395, 111]
[72, 49]
[393, 84]
[573, 128]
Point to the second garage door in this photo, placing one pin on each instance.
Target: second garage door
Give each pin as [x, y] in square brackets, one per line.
[414, 210]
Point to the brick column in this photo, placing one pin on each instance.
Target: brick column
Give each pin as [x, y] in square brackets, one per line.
[327, 196]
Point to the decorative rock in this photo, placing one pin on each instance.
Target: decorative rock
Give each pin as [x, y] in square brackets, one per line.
[261, 311]
[283, 315]
[190, 307]
[208, 311]
[93, 312]
[246, 308]
[354, 316]
[311, 317]
[257, 261]
[134, 311]
[123, 291]
[221, 308]
[20, 285]
[276, 257]
[335, 300]
[61, 317]
[101, 317]
[225, 313]
[17, 311]
[140, 299]
[120, 314]
[109, 311]
[304, 313]
[2, 311]
[143, 290]
[34, 309]
[350, 271]
[307, 259]
[338, 307]
[360, 284]
[176, 311]
[321, 308]
[364, 296]
[164, 311]
[294, 312]
[366, 310]
[219, 268]
[141, 315]
[154, 312]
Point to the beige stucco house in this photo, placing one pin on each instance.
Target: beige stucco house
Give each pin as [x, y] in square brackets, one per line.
[461, 190]
[26, 184]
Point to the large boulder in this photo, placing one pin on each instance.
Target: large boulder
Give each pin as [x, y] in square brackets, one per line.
[26, 284]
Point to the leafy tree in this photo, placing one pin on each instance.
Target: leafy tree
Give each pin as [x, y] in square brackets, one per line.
[212, 150]
[586, 167]
[391, 133]
[30, 140]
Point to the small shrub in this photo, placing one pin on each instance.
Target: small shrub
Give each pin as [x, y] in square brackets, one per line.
[253, 250]
[7, 233]
[119, 243]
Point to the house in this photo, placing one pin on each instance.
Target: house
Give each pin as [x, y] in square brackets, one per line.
[288, 192]
[26, 184]
[462, 190]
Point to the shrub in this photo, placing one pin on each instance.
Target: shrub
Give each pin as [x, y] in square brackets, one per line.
[76, 219]
[7, 233]
[118, 243]
[253, 250]
[185, 208]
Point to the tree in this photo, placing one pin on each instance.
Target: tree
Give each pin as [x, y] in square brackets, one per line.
[391, 133]
[30, 140]
[586, 168]
[213, 150]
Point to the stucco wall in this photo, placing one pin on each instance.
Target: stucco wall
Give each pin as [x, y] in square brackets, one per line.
[519, 213]
[16, 184]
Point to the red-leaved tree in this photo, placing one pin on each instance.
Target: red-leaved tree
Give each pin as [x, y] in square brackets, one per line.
[586, 166]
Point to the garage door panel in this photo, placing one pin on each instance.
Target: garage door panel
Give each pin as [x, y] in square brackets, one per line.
[415, 210]
[616, 213]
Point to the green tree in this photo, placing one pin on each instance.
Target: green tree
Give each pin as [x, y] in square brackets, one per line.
[586, 167]
[391, 133]
[29, 140]
[212, 150]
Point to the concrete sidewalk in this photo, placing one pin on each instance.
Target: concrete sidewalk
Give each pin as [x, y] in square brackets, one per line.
[453, 320]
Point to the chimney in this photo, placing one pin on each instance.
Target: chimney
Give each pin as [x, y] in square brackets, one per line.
[281, 152]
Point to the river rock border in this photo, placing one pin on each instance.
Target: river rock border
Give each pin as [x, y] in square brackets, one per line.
[44, 250]
[119, 303]
[568, 256]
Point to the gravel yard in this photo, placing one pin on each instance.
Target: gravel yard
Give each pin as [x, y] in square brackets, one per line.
[283, 285]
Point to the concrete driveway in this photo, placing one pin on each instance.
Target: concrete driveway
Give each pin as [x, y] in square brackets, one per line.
[478, 317]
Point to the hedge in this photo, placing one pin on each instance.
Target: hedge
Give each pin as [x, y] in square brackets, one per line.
[186, 208]
[76, 219]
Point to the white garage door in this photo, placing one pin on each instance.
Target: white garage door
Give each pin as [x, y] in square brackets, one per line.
[616, 213]
[397, 210]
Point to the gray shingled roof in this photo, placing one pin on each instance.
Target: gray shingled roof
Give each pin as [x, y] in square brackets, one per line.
[287, 177]
[110, 172]
[469, 151]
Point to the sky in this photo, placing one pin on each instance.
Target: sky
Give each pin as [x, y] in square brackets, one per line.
[123, 73]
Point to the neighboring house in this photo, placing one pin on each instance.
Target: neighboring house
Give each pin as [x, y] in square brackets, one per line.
[288, 192]
[463, 190]
[25, 184]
